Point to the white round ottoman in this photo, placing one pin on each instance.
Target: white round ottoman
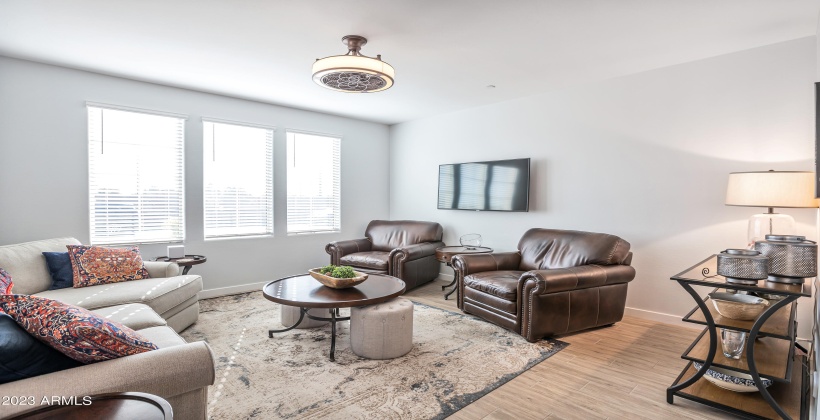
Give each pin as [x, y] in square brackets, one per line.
[290, 314]
[382, 331]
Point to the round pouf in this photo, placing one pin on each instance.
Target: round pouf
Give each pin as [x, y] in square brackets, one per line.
[382, 331]
[290, 314]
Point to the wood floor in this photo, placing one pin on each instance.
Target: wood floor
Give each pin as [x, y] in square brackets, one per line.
[617, 372]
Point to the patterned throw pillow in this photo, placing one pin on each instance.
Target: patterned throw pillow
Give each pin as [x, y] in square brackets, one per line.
[73, 331]
[93, 265]
[5, 282]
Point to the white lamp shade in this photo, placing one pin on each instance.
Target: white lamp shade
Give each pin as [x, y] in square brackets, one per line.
[771, 189]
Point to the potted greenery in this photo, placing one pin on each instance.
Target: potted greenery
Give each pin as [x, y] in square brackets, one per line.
[338, 276]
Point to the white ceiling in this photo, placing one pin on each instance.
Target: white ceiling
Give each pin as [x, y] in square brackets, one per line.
[445, 52]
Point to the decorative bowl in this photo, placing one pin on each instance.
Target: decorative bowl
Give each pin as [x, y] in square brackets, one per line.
[731, 380]
[336, 283]
[470, 240]
[738, 306]
[770, 296]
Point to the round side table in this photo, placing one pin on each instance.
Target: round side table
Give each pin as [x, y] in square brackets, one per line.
[445, 254]
[186, 262]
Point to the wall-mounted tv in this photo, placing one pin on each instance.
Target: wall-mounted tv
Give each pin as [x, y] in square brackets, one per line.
[498, 185]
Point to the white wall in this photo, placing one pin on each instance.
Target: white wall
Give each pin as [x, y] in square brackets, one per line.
[645, 157]
[44, 167]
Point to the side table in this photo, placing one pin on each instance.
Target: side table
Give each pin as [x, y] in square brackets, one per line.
[771, 349]
[121, 405]
[185, 262]
[445, 254]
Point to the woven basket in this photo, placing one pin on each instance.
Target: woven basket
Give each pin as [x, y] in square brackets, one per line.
[335, 283]
[740, 307]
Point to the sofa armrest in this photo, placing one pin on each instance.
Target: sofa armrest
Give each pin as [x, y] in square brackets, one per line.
[166, 372]
[574, 278]
[414, 252]
[161, 269]
[466, 264]
[339, 249]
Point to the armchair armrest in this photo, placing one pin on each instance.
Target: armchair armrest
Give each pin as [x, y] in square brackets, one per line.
[574, 278]
[414, 252]
[166, 372]
[339, 249]
[466, 264]
[161, 269]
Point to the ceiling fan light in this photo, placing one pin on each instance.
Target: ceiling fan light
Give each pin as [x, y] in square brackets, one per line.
[353, 73]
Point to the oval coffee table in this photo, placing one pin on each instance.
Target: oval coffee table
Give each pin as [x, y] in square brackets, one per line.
[305, 293]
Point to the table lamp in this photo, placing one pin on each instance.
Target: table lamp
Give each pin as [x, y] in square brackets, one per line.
[770, 189]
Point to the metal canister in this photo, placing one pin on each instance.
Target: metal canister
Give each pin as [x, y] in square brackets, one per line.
[793, 258]
[742, 266]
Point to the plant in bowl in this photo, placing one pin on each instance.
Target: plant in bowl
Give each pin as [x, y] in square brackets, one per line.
[338, 277]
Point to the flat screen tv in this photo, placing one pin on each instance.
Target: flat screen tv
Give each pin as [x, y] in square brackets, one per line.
[498, 185]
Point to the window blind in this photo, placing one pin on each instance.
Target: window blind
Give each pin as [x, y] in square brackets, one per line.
[136, 176]
[314, 203]
[238, 178]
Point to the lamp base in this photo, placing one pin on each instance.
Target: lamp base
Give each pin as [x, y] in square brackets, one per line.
[764, 224]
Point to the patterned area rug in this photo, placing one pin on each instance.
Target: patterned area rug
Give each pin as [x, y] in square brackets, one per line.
[456, 359]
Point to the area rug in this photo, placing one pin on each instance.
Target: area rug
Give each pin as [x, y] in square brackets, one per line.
[456, 359]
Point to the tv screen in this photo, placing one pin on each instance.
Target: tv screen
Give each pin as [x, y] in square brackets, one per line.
[499, 185]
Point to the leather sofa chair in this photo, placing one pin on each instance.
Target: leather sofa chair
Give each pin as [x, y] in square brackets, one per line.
[557, 282]
[400, 248]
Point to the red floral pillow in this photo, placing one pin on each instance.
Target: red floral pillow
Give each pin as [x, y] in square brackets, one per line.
[73, 331]
[5, 282]
[95, 265]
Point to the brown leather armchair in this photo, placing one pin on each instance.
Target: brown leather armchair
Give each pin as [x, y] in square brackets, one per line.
[558, 282]
[401, 248]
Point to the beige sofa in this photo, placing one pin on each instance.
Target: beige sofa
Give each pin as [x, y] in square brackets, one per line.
[157, 308]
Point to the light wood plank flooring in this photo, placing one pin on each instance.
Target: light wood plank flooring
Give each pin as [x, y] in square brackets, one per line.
[617, 372]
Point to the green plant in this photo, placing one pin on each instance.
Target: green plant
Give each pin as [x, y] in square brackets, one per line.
[343, 272]
[339, 272]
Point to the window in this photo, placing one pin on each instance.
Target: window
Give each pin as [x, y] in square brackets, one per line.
[313, 183]
[238, 178]
[135, 171]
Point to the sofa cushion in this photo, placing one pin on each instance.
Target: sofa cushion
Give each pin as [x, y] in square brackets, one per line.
[375, 260]
[74, 331]
[162, 336]
[544, 249]
[27, 265]
[386, 235]
[133, 315]
[95, 265]
[59, 266]
[502, 284]
[23, 356]
[5, 282]
[161, 294]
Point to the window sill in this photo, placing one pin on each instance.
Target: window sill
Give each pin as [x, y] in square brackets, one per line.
[232, 238]
[324, 232]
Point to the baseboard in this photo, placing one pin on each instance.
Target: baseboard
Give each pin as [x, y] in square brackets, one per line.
[231, 290]
[660, 317]
[448, 277]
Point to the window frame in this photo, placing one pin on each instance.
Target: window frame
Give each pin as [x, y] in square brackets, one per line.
[271, 168]
[183, 181]
[340, 139]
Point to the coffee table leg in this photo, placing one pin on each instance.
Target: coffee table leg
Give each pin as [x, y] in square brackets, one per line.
[333, 334]
[302, 312]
